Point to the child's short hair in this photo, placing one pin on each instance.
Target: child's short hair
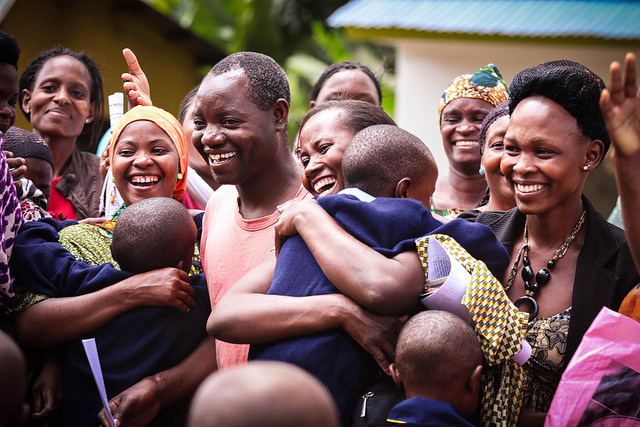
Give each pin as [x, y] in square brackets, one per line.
[434, 347]
[29, 145]
[262, 393]
[153, 233]
[381, 155]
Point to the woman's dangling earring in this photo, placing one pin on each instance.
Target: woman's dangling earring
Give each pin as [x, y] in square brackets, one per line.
[481, 171]
[180, 176]
[112, 196]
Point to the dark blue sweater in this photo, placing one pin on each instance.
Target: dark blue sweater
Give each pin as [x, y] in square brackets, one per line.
[423, 412]
[132, 346]
[389, 226]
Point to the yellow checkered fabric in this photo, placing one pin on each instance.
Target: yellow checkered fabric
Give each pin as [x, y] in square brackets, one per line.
[500, 328]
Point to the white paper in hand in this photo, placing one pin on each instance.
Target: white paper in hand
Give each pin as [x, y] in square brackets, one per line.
[116, 108]
[448, 296]
[94, 362]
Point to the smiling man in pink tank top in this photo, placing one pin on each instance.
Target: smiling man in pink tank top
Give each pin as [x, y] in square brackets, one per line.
[240, 115]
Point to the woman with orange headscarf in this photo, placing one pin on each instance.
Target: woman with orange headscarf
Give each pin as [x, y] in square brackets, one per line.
[148, 155]
[149, 158]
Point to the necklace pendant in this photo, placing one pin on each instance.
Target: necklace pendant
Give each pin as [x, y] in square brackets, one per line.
[527, 273]
[542, 277]
[531, 301]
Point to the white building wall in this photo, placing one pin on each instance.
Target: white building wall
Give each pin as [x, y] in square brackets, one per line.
[425, 67]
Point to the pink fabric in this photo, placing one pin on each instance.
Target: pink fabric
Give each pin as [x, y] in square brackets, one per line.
[190, 203]
[231, 246]
[601, 385]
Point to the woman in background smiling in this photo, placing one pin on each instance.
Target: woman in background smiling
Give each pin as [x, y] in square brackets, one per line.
[567, 262]
[61, 94]
[463, 107]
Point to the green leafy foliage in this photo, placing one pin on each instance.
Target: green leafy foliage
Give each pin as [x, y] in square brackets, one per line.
[293, 32]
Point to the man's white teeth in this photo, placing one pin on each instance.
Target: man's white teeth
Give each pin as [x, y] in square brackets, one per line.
[144, 179]
[218, 157]
[467, 144]
[529, 188]
[319, 187]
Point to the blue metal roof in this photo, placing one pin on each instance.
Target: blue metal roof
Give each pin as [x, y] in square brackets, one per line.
[510, 18]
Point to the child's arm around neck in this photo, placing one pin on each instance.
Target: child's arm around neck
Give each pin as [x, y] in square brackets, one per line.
[384, 285]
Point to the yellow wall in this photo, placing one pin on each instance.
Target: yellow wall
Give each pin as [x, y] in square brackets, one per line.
[102, 30]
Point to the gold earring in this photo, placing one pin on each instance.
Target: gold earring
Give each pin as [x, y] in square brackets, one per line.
[113, 195]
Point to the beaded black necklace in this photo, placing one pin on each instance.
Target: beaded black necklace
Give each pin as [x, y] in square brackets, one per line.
[543, 275]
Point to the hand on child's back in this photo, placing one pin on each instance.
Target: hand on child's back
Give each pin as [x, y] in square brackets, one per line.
[376, 334]
[163, 287]
[292, 213]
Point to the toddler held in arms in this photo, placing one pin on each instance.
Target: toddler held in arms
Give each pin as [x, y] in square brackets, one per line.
[151, 234]
[383, 166]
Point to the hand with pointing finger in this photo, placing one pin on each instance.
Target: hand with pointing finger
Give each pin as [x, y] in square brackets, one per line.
[135, 82]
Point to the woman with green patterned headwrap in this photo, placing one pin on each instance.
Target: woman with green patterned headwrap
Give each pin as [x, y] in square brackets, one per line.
[463, 107]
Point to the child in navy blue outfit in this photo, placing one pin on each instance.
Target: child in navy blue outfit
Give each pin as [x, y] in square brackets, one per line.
[389, 163]
[439, 365]
[150, 234]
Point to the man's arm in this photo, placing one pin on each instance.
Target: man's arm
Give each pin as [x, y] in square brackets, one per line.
[247, 315]
[240, 316]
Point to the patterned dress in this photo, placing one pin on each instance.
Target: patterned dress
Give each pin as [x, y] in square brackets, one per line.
[11, 221]
[548, 339]
[92, 244]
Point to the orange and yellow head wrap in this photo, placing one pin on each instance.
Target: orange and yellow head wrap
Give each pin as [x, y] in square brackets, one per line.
[170, 126]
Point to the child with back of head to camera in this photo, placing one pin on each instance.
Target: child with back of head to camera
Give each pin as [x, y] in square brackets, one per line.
[375, 208]
[34, 185]
[150, 234]
[156, 233]
[439, 366]
[262, 394]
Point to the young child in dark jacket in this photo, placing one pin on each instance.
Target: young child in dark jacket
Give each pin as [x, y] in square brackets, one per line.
[150, 234]
[378, 163]
[439, 365]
